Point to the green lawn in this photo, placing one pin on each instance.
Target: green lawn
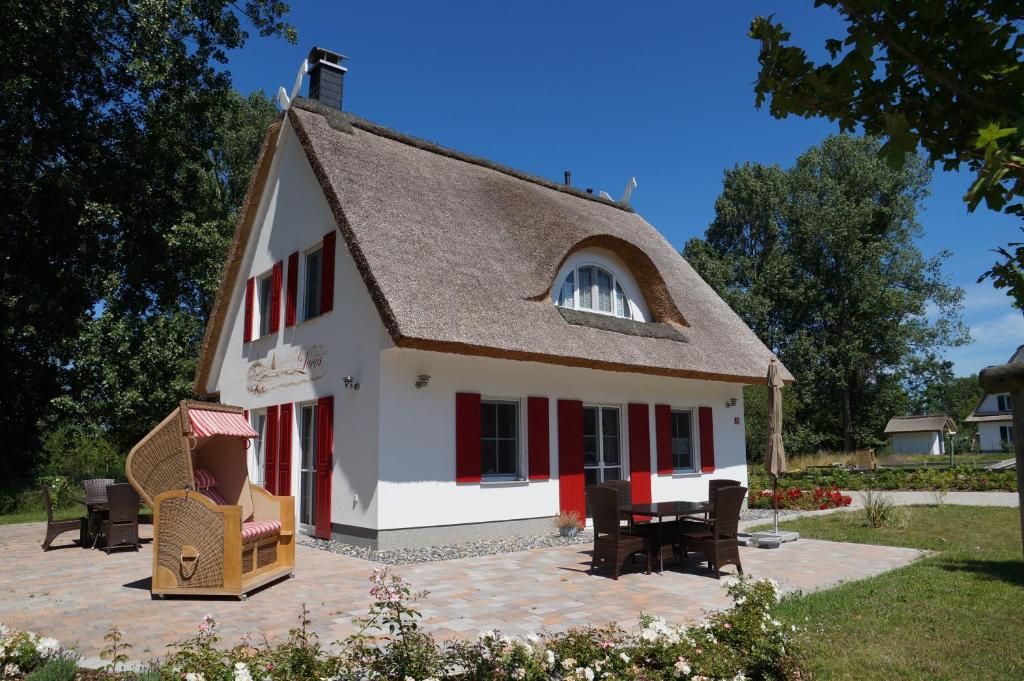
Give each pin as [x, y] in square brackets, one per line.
[958, 614]
[39, 515]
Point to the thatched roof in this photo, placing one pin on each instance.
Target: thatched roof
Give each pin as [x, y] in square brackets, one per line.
[460, 254]
[919, 424]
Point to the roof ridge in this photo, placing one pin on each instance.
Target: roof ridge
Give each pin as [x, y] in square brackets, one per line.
[344, 121]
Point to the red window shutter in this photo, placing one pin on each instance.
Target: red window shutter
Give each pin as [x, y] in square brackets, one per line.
[284, 452]
[570, 457]
[270, 447]
[275, 297]
[292, 290]
[663, 437]
[467, 437]
[250, 293]
[327, 273]
[640, 453]
[324, 465]
[707, 441]
[538, 438]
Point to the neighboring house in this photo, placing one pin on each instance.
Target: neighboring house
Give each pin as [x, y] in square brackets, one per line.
[994, 416]
[436, 348]
[919, 434]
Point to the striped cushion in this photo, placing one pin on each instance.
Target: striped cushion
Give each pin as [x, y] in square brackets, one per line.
[259, 529]
[204, 479]
[213, 495]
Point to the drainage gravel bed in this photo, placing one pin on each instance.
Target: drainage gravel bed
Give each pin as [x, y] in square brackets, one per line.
[484, 547]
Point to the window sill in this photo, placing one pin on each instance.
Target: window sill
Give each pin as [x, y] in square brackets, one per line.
[519, 482]
[686, 474]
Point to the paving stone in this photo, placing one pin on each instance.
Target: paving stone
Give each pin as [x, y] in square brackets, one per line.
[76, 595]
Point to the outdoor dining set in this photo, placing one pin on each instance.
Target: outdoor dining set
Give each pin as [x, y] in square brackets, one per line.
[623, 528]
[111, 520]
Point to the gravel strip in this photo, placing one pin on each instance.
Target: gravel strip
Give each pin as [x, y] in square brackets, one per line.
[430, 554]
[763, 513]
[485, 547]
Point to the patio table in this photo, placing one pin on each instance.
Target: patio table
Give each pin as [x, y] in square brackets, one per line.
[667, 509]
[95, 512]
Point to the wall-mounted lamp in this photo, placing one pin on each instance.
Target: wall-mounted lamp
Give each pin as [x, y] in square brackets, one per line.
[731, 402]
[422, 380]
[350, 383]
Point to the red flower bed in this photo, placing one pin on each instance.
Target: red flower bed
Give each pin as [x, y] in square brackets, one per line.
[796, 498]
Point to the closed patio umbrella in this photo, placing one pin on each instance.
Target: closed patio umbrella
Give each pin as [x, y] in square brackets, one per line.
[775, 454]
[775, 457]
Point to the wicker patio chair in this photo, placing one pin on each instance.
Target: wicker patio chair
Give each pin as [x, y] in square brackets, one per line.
[121, 526]
[55, 528]
[624, 495]
[214, 532]
[613, 544]
[718, 541]
[96, 490]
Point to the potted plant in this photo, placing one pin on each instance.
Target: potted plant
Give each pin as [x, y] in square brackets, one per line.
[568, 523]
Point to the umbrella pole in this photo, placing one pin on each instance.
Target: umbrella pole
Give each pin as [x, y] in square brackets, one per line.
[775, 500]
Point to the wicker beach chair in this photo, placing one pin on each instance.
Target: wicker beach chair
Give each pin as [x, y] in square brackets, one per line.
[55, 528]
[214, 532]
[121, 526]
[718, 541]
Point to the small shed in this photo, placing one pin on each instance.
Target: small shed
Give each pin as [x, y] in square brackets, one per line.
[919, 434]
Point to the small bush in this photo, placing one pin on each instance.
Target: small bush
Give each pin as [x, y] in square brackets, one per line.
[63, 668]
[879, 511]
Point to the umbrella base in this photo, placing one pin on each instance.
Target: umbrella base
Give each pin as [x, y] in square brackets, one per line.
[772, 540]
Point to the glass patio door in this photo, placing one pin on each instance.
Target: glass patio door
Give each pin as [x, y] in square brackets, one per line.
[602, 453]
[307, 468]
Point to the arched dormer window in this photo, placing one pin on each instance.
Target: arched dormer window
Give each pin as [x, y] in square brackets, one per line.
[593, 288]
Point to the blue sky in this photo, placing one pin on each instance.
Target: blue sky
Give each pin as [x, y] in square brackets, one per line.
[662, 91]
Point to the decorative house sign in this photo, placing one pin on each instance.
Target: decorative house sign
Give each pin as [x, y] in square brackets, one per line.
[299, 365]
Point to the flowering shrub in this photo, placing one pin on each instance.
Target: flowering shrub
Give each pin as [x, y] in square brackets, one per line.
[22, 652]
[743, 642]
[796, 498]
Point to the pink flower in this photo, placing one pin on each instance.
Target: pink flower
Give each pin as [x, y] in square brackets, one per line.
[727, 625]
[606, 644]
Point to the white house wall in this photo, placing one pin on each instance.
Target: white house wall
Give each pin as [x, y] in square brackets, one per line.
[990, 404]
[989, 439]
[295, 216]
[916, 443]
[417, 434]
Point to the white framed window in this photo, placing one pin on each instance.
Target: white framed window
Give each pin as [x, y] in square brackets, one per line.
[594, 289]
[307, 415]
[1006, 434]
[683, 460]
[602, 444]
[264, 297]
[258, 420]
[500, 452]
[312, 282]
[1004, 402]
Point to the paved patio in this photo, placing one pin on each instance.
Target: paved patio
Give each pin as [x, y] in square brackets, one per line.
[76, 595]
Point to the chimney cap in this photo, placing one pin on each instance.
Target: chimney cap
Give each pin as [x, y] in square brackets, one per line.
[321, 55]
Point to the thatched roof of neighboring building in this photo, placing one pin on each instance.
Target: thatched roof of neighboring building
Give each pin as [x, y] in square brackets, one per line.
[919, 424]
[460, 254]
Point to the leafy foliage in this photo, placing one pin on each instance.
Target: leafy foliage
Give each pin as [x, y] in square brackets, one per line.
[820, 261]
[125, 154]
[745, 641]
[960, 478]
[946, 76]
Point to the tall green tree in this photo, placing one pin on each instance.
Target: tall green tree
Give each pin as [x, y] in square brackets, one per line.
[819, 259]
[110, 113]
[945, 76]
